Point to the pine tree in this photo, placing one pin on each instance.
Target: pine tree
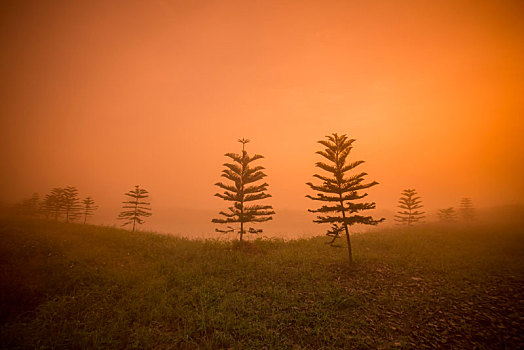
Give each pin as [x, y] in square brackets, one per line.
[34, 204]
[467, 210]
[340, 191]
[88, 208]
[137, 208]
[53, 203]
[29, 206]
[71, 203]
[409, 203]
[45, 206]
[447, 215]
[243, 190]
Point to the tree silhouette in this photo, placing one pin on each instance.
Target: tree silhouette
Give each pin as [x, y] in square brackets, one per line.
[467, 210]
[243, 190]
[136, 208]
[341, 191]
[53, 203]
[46, 205]
[447, 215]
[29, 206]
[409, 203]
[71, 203]
[88, 208]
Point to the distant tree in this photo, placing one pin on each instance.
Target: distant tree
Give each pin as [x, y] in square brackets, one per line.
[71, 203]
[53, 203]
[340, 191]
[88, 207]
[29, 206]
[467, 210]
[447, 215]
[409, 203]
[34, 204]
[242, 190]
[45, 206]
[136, 207]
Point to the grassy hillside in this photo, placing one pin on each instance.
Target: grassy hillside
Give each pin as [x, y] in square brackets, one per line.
[75, 286]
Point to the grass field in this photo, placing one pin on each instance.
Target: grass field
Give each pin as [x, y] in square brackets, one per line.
[76, 286]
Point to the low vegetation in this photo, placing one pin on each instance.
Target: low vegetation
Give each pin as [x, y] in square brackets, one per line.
[81, 286]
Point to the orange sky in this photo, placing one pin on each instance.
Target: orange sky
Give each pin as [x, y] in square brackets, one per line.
[105, 95]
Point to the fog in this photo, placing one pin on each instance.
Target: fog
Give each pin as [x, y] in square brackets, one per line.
[106, 96]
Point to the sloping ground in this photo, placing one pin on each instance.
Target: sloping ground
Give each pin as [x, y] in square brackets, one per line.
[75, 286]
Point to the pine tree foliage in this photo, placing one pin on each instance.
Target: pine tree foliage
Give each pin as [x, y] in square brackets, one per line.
[135, 209]
[467, 210]
[334, 233]
[71, 203]
[339, 190]
[241, 190]
[447, 215]
[88, 207]
[409, 203]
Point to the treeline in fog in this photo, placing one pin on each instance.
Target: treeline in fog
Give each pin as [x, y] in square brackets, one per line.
[340, 192]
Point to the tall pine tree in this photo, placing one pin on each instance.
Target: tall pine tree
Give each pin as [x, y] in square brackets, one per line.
[136, 208]
[340, 191]
[88, 208]
[409, 203]
[241, 191]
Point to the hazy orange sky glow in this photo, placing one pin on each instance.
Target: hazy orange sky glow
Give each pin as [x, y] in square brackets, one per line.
[104, 95]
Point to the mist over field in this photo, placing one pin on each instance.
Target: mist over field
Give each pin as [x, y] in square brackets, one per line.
[287, 224]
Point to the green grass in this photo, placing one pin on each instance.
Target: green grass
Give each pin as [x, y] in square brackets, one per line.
[76, 286]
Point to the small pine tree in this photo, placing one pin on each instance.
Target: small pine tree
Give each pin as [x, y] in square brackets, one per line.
[243, 190]
[88, 208]
[409, 203]
[467, 210]
[71, 203]
[137, 209]
[341, 191]
[447, 215]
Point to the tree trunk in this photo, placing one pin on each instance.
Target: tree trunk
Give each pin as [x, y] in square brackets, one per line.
[242, 200]
[350, 255]
[241, 230]
[136, 210]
